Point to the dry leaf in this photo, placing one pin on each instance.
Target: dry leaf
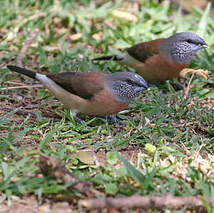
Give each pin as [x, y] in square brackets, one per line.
[124, 15]
[76, 36]
[11, 36]
[203, 73]
[85, 157]
[97, 36]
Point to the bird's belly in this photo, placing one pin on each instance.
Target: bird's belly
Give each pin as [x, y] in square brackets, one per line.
[160, 72]
[157, 68]
[104, 104]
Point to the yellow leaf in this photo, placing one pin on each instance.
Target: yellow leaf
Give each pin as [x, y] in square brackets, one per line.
[124, 15]
[203, 73]
[85, 157]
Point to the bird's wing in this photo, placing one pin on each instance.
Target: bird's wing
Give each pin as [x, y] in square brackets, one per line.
[145, 50]
[84, 85]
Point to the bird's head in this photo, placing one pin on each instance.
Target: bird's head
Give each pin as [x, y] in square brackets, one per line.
[182, 46]
[125, 86]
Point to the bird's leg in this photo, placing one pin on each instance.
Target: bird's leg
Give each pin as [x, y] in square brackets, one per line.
[177, 86]
[77, 119]
[111, 119]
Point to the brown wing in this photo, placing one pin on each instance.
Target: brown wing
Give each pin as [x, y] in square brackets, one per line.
[145, 50]
[85, 85]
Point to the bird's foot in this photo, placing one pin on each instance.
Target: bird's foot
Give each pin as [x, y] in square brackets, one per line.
[177, 86]
[80, 121]
[111, 119]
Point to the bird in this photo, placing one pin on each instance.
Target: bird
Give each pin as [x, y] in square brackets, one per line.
[90, 93]
[161, 59]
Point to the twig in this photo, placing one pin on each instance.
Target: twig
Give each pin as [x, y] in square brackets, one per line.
[21, 87]
[33, 35]
[148, 202]
[51, 166]
[15, 83]
[186, 91]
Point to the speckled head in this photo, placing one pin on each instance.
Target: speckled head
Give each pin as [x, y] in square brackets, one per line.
[125, 86]
[181, 47]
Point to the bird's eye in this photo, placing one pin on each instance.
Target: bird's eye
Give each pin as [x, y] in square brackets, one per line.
[129, 81]
[132, 83]
[193, 42]
[189, 41]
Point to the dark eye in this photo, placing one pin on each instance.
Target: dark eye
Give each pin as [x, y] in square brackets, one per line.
[129, 81]
[133, 83]
[189, 41]
[193, 42]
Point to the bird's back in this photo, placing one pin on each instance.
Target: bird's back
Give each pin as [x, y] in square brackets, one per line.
[145, 50]
[84, 85]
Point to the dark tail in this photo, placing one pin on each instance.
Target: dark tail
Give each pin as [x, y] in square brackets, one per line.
[109, 57]
[22, 71]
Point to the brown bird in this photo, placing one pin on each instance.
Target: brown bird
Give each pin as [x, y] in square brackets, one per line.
[161, 59]
[90, 93]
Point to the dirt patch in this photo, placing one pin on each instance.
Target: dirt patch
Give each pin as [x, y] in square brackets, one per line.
[31, 205]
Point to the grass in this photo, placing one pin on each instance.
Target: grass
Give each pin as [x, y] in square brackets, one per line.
[166, 145]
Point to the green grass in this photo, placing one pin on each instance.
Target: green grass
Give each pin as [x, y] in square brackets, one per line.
[162, 128]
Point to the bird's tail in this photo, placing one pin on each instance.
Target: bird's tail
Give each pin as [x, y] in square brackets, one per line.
[109, 57]
[22, 71]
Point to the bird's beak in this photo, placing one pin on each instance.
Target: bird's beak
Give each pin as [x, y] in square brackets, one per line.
[205, 46]
[138, 89]
[144, 84]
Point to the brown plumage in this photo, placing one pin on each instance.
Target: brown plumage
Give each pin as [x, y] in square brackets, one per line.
[91, 93]
[89, 89]
[161, 59]
[84, 85]
[145, 50]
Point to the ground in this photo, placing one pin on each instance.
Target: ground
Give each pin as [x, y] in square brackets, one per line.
[166, 142]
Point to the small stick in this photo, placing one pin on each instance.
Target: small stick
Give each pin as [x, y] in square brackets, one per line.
[30, 39]
[15, 83]
[163, 202]
[186, 91]
[22, 87]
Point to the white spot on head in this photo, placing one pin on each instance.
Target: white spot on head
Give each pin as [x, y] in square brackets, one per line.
[137, 76]
[40, 77]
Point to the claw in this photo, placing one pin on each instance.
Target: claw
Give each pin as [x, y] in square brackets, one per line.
[111, 119]
[177, 86]
[77, 119]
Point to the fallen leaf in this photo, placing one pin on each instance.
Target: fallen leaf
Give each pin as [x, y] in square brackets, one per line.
[76, 36]
[97, 36]
[124, 15]
[85, 157]
[203, 73]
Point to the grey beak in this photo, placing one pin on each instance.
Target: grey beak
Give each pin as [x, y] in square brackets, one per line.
[138, 89]
[144, 84]
[141, 87]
